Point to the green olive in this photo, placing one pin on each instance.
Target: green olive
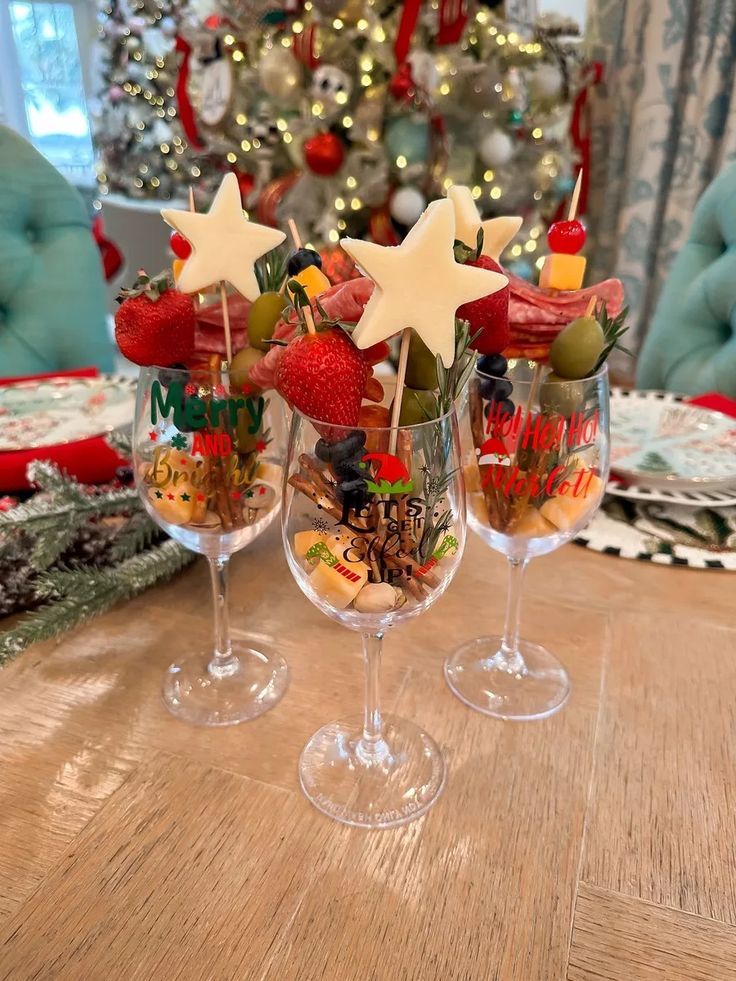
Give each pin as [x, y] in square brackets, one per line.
[421, 365]
[561, 395]
[264, 314]
[575, 351]
[240, 368]
[417, 406]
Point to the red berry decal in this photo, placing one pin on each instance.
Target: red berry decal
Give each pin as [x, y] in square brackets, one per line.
[179, 246]
[567, 237]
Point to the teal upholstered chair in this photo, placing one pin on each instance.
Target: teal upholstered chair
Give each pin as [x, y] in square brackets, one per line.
[691, 346]
[52, 291]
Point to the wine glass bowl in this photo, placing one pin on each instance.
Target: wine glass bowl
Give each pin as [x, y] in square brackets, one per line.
[374, 528]
[536, 459]
[207, 470]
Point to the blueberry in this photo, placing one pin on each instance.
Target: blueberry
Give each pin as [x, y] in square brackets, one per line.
[347, 448]
[301, 259]
[499, 409]
[488, 388]
[124, 475]
[504, 388]
[323, 450]
[349, 470]
[354, 492]
[174, 373]
[493, 364]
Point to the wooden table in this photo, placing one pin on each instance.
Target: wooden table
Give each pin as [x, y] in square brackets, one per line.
[599, 844]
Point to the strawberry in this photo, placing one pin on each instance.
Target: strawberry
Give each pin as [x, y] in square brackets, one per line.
[376, 353]
[489, 314]
[154, 324]
[323, 376]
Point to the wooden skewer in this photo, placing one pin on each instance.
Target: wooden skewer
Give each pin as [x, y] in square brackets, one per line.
[297, 240]
[573, 210]
[400, 377]
[226, 321]
[591, 306]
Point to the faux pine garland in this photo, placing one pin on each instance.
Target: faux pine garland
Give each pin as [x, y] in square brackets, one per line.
[127, 557]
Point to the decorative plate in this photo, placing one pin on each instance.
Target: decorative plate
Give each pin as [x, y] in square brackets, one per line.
[658, 440]
[695, 498]
[34, 414]
[666, 534]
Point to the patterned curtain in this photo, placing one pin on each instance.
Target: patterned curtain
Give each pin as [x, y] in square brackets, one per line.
[663, 125]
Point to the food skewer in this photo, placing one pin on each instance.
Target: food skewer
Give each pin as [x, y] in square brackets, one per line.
[297, 240]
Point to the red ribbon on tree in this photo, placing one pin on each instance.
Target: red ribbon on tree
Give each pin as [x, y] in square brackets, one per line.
[580, 127]
[304, 48]
[453, 16]
[186, 112]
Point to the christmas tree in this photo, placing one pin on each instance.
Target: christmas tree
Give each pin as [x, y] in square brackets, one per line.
[349, 115]
[140, 146]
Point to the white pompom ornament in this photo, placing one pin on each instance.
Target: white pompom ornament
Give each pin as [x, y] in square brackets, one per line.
[545, 82]
[406, 205]
[496, 148]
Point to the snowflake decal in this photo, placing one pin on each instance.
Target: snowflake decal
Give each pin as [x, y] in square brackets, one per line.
[179, 442]
[432, 486]
[190, 388]
[425, 470]
[219, 390]
[320, 526]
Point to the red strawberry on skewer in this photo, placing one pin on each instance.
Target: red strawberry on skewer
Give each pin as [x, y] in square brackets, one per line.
[489, 314]
[323, 375]
[154, 324]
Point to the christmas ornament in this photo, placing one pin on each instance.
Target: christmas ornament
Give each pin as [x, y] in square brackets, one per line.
[280, 75]
[225, 245]
[324, 154]
[419, 284]
[402, 86]
[407, 137]
[546, 82]
[496, 148]
[497, 232]
[331, 86]
[407, 204]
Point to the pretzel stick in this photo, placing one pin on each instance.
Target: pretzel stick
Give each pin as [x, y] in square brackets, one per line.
[408, 542]
[475, 403]
[223, 501]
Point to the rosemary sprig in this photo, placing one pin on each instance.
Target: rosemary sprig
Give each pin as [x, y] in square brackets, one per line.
[613, 329]
[271, 271]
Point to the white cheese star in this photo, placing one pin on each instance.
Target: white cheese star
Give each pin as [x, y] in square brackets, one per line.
[419, 284]
[497, 232]
[225, 245]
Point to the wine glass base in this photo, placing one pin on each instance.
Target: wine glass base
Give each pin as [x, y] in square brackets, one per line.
[533, 686]
[250, 684]
[381, 786]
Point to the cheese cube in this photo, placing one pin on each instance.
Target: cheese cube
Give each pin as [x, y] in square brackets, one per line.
[176, 267]
[339, 584]
[175, 504]
[303, 541]
[588, 486]
[532, 524]
[562, 272]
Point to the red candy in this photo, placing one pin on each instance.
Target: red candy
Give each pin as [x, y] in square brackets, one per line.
[179, 246]
[567, 237]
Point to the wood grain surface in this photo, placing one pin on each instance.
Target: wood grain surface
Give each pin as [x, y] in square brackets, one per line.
[598, 844]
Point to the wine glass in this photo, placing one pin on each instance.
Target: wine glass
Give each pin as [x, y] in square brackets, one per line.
[536, 459]
[374, 527]
[207, 469]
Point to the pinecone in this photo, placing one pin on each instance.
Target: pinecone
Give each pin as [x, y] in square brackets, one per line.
[17, 589]
[93, 543]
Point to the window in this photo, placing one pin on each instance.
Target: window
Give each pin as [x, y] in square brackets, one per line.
[43, 85]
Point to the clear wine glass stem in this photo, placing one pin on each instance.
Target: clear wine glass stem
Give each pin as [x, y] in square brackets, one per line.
[510, 644]
[372, 744]
[223, 663]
